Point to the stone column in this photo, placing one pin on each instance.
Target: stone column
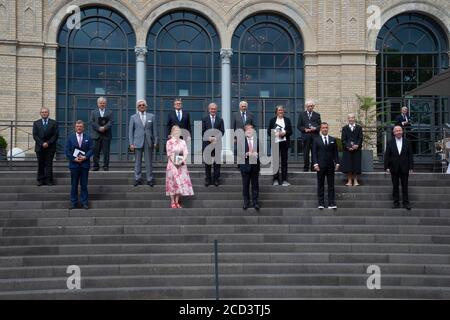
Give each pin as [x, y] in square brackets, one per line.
[225, 55]
[141, 53]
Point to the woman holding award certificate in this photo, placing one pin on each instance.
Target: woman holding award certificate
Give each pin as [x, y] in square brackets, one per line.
[178, 182]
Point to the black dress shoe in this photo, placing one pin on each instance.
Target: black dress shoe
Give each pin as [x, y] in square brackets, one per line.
[207, 182]
[305, 169]
[245, 206]
[95, 169]
[151, 183]
[40, 183]
[395, 206]
[85, 206]
[106, 169]
[216, 183]
[136, 183]
[407, 206]
[50, 183]
[72, 206]
[256, 206]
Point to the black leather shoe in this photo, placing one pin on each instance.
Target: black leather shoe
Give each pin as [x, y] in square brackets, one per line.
[40, 183]
[136, 183]
[151, 183]
[216, 183]
[106, 169]
[395, 206]
[245, 206]
[72, 206]
[50, 183]
[305, 169]
[407, 206]
[95, 169]
[85, 206]
[256, 206]
[207, 182]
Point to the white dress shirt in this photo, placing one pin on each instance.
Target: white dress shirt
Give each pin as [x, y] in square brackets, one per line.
[102, 112]
[399, 143]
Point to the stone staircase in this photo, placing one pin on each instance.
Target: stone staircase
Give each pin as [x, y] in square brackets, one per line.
[130, 245]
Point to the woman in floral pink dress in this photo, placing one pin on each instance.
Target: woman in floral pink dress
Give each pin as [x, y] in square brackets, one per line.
[178, 182]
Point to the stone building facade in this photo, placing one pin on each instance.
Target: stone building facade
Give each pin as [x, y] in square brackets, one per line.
[339, 51]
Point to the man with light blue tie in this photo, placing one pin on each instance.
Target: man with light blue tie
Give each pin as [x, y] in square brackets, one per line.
[178, 117]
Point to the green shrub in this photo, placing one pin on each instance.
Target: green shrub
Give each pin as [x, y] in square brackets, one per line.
[3, 143]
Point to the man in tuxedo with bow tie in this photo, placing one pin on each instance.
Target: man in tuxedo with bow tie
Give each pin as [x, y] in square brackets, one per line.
[308, 123]
[178, 117]
[79, 149]
[45, 134]
[325, 158]
[101, 123]
[212, 121]
[143, 138]
[399, 162]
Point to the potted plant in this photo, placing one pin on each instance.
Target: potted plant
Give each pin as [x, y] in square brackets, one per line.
[367, 119]
[3, 146]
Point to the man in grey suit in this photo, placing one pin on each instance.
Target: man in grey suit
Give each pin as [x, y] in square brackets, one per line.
[143, 138]
[101, 123]
[243, 117]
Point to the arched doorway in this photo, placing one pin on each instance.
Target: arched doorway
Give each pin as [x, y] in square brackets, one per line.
[268, 68]
[95, 60]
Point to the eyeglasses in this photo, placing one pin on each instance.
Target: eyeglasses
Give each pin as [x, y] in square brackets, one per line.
[141, 105]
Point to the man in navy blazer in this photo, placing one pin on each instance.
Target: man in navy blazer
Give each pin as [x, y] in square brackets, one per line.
[212, 121]
[325, 158]
[178, 117]
[79, 149]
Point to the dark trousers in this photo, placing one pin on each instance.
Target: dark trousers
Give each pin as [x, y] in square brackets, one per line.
[329, 174]
[216, 174]
[396, 179]
[79, 176]
[308, 139]
[250, 177]
[101, 144]
[45, 165]
[283, 152]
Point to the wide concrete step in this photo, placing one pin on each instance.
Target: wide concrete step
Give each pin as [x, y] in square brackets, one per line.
[235, 257]
[224, 238]
[215, 220]
[267, 247]
[224, 269]
[235, 292]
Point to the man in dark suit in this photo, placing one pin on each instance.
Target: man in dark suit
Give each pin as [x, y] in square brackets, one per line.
[308, 123]
[178, 117]
[243, 116]
[79, 149]
[249, 165]
[325, 158]
[45, 134]
[212, 121]
[101, 123]
[398, 161]
[403, 120]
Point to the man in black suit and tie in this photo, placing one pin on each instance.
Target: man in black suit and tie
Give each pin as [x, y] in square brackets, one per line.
[212, 121]
[398, 161]
[101, 123]
[45, 134]
[308, 123]
[242, 117]
[249, 165]
[403, 120]
[325, 158]
[178, 117]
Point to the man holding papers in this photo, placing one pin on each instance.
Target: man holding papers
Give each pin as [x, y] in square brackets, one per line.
[79, 149]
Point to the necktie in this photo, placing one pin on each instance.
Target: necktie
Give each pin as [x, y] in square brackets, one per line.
[244, 117]
[45, 124]
[213, 120]
[178, 115]
[326, 141]
[309, 115]
[250, 145]
[80, 140]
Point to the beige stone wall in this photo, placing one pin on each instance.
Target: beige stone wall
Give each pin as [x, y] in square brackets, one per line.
[339, 49]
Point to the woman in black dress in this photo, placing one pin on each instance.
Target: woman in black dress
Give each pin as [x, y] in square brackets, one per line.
[283, 130]
[352, 139]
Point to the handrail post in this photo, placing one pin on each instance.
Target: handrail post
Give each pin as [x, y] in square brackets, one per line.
[216, 262]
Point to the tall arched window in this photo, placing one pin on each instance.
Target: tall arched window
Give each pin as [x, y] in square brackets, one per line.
[95, 60]
[268, 68]
[183, 61]
[412, 49]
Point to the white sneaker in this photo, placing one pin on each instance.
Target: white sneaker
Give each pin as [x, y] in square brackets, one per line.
[332, 207]
[320, 207]
[286, 184]
[275, 183]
